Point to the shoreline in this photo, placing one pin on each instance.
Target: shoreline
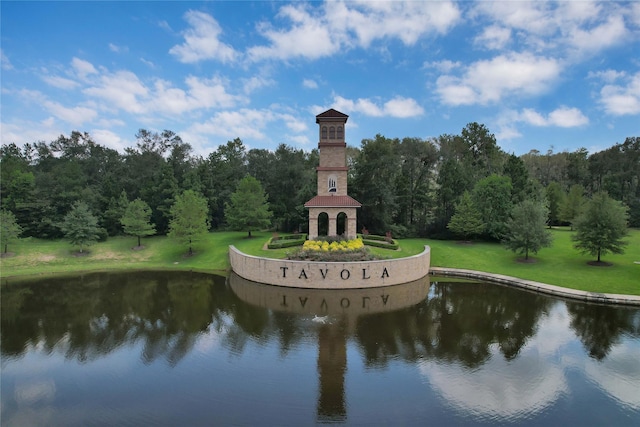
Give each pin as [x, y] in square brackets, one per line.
[537, 287]
[434, 272]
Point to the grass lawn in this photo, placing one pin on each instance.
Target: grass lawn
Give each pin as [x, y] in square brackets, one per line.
[559, 265]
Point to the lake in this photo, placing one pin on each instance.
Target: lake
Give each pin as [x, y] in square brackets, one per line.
[192, 349]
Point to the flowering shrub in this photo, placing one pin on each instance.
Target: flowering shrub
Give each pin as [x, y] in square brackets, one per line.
[337, 250]
[324, 246]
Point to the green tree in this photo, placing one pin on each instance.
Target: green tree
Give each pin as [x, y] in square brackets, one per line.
[467, 220]
[414, 185]
[492, 197]
[80, 226]
[602, 226]
[113, 214]
[573, 204]
[555, 199]
[248, 208]
[526, 231]
[515, 169]
[189, 221]
[9, 228]
[375, 173]
[482, 156]
[136, 220]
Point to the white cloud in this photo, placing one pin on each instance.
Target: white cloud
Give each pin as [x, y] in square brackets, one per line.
[83, 68]
[75, 116]
[398, 107]
[338, 26]
[310, 84]
[567, 118]
[562, 117]
[609, 76]
[407, 21]
[247, 123]
[60, 82]
[622, 99]
[121, 90]
[488, 81]
[109, 139]
[494, 37]
[201, 40]
[609, 33]
[20, 131]
[256, 82]
[147, 62]
[444, 66]
[118, 49]
[4, 61]
[566, 27]
[403, 107]
[309, 37]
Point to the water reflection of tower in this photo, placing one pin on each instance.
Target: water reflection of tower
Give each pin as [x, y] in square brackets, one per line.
[332, 366]
[336, 314]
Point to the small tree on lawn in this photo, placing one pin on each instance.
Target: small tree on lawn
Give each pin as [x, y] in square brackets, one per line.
[249, 209]
[136, 220]
[80, 226]
[189, 218]
[9, 228]
[526, 229]
[601, 227]
[467, 220]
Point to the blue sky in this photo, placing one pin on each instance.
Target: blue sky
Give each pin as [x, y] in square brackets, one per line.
[540, 75]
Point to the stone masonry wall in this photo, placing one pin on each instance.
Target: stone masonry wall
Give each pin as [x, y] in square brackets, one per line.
[330, 275]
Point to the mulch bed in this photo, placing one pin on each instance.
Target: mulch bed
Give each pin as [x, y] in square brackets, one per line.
[600, 263]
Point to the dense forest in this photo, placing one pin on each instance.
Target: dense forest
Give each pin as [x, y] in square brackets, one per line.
[408, 186]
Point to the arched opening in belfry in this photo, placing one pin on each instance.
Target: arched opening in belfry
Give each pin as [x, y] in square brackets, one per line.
[323, 224]
[341, 224]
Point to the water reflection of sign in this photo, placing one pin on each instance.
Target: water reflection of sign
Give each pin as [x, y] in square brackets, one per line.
[333, 301]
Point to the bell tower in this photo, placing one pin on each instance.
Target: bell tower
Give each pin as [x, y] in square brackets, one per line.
[332, 198]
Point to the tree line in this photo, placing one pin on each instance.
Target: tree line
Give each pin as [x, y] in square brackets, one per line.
[408, 186]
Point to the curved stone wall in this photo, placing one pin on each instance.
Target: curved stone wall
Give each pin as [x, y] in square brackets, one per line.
[575, 294]
[330, 275]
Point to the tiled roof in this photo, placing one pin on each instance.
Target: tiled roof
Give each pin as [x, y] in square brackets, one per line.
[332, 202]
[331, 114]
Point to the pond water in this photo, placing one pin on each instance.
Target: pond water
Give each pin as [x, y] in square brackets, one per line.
[169, 349]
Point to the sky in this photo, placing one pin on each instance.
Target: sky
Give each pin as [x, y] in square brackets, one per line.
[539, 75]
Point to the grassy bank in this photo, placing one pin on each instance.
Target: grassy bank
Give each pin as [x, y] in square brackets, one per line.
[559, 265]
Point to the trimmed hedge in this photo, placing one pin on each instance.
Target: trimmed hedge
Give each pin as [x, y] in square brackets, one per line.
[282, 242]
[379, 242]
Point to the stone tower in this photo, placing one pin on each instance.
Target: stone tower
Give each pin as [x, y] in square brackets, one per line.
[332, 199]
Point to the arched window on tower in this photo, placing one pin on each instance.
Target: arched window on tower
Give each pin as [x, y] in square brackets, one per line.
[333, 184]
[340, 132]
[324, 132]
[332, 133]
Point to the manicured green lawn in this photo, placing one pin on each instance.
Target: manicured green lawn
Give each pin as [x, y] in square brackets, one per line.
[559, 265]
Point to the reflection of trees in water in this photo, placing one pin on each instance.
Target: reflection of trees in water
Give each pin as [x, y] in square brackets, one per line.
[458, 322]
[600, 327]
[89, 316]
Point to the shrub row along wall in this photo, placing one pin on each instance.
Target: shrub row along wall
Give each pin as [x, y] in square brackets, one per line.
[330, 275]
